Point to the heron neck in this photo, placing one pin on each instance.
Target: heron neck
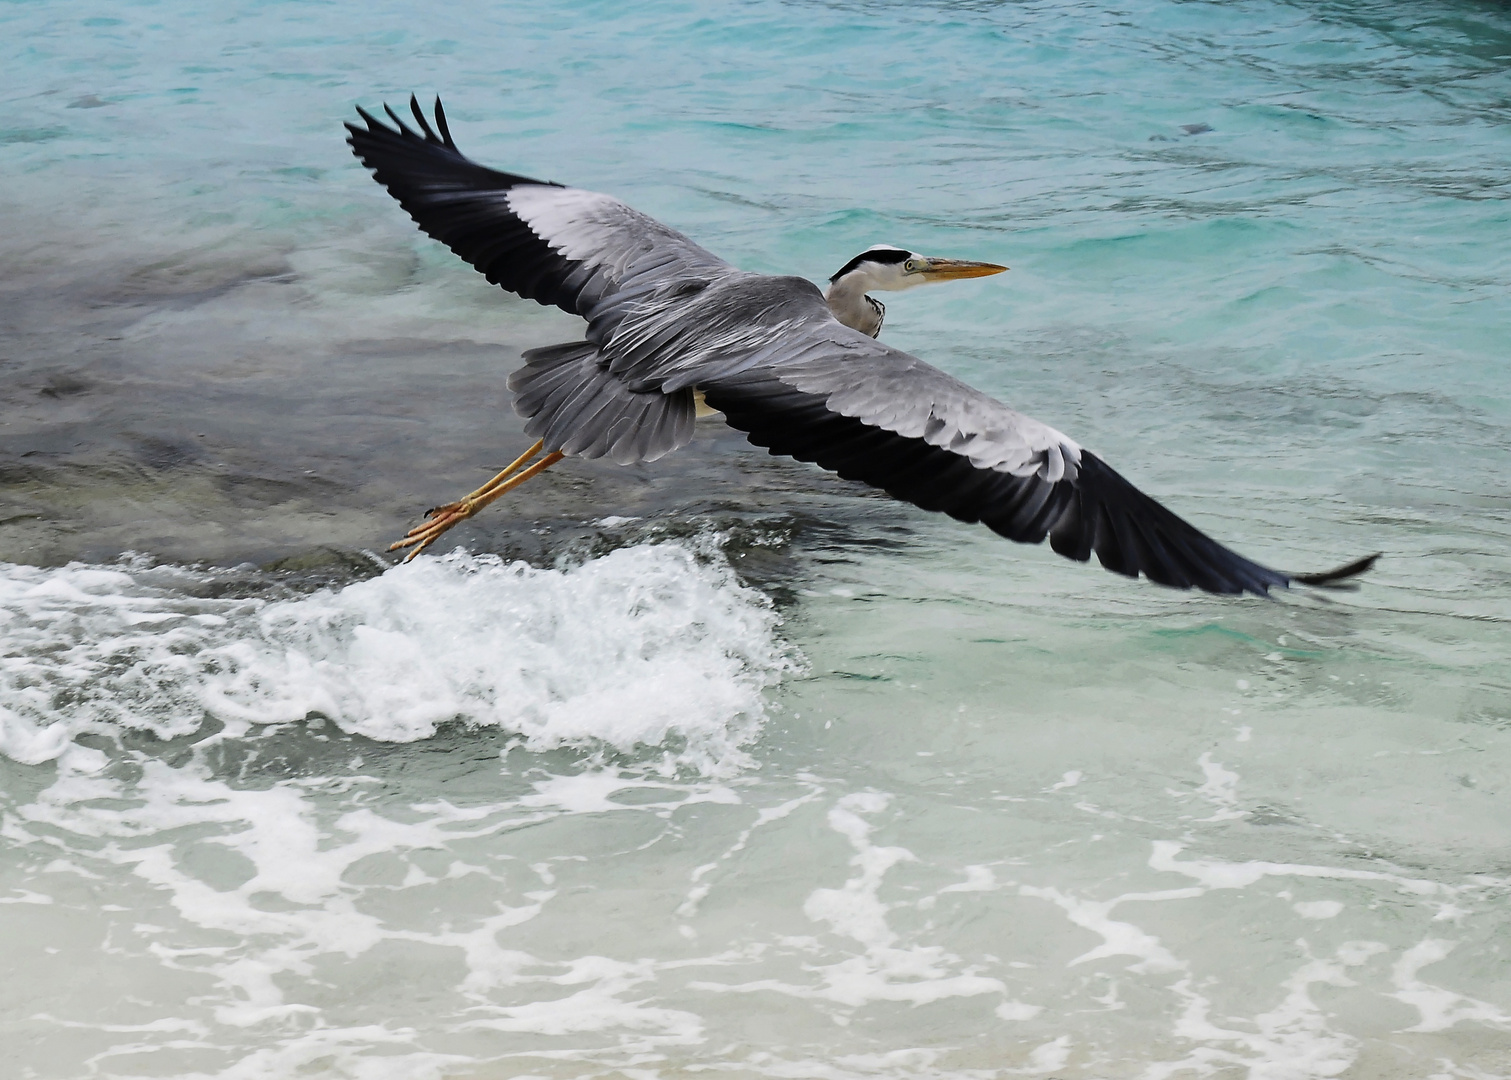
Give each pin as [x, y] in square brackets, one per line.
[849, 303]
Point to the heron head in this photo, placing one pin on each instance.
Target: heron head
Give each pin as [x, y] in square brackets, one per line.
[891, 269]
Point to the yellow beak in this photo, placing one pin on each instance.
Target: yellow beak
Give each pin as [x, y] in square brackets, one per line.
[958, 269]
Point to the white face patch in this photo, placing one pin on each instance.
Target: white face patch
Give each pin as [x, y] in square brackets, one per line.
[891, 277]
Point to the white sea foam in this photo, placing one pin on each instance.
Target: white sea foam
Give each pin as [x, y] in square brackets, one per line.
[888, 968]
[1218, 874]
[1294, 1039]
[650, 646]
[1440, 1008]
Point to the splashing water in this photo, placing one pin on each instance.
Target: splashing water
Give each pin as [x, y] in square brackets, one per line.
[639, 648]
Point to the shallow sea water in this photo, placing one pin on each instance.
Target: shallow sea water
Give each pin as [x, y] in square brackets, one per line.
[720, 766]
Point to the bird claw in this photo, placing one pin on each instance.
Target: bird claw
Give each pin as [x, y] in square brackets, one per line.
[461, 506]
[438, 520]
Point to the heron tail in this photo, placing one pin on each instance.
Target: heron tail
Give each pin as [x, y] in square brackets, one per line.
[574, 404]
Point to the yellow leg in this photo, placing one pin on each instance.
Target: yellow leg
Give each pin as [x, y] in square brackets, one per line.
[444, 517]
[452, 507]
[509, 470]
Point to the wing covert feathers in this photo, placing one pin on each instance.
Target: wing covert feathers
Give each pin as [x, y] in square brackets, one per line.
[548, 243]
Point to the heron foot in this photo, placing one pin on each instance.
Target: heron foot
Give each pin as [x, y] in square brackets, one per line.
[441, 518]
[437, 521]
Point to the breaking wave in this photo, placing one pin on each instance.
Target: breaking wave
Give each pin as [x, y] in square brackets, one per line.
[649, 646]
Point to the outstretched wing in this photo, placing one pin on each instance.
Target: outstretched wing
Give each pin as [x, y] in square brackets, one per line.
[666, 317]
[584, 252]
[868, 412]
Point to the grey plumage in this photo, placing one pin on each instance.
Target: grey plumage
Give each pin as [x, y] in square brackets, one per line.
[665, 318]
[574, 404]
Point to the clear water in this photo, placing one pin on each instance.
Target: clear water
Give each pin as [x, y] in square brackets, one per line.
[748, 773]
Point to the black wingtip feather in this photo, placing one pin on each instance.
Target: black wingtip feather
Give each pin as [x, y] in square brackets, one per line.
[456, 201]
[399, 123]
[1338, 578]
[419, 115]
[1209, 565]
[440, 123]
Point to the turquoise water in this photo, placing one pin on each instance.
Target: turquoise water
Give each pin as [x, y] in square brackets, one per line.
[749, 773]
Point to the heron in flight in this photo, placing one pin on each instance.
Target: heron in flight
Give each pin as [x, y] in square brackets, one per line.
[673, 331]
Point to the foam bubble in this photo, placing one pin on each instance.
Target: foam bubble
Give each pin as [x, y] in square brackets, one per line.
[1318, 909]
[649, 646]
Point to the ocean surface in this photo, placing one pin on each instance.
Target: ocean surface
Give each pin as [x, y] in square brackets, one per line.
[721, 766]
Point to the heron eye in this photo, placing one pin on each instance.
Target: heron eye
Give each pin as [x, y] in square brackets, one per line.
[910, 267]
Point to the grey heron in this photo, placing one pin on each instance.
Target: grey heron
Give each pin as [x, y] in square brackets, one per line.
[671, 326]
